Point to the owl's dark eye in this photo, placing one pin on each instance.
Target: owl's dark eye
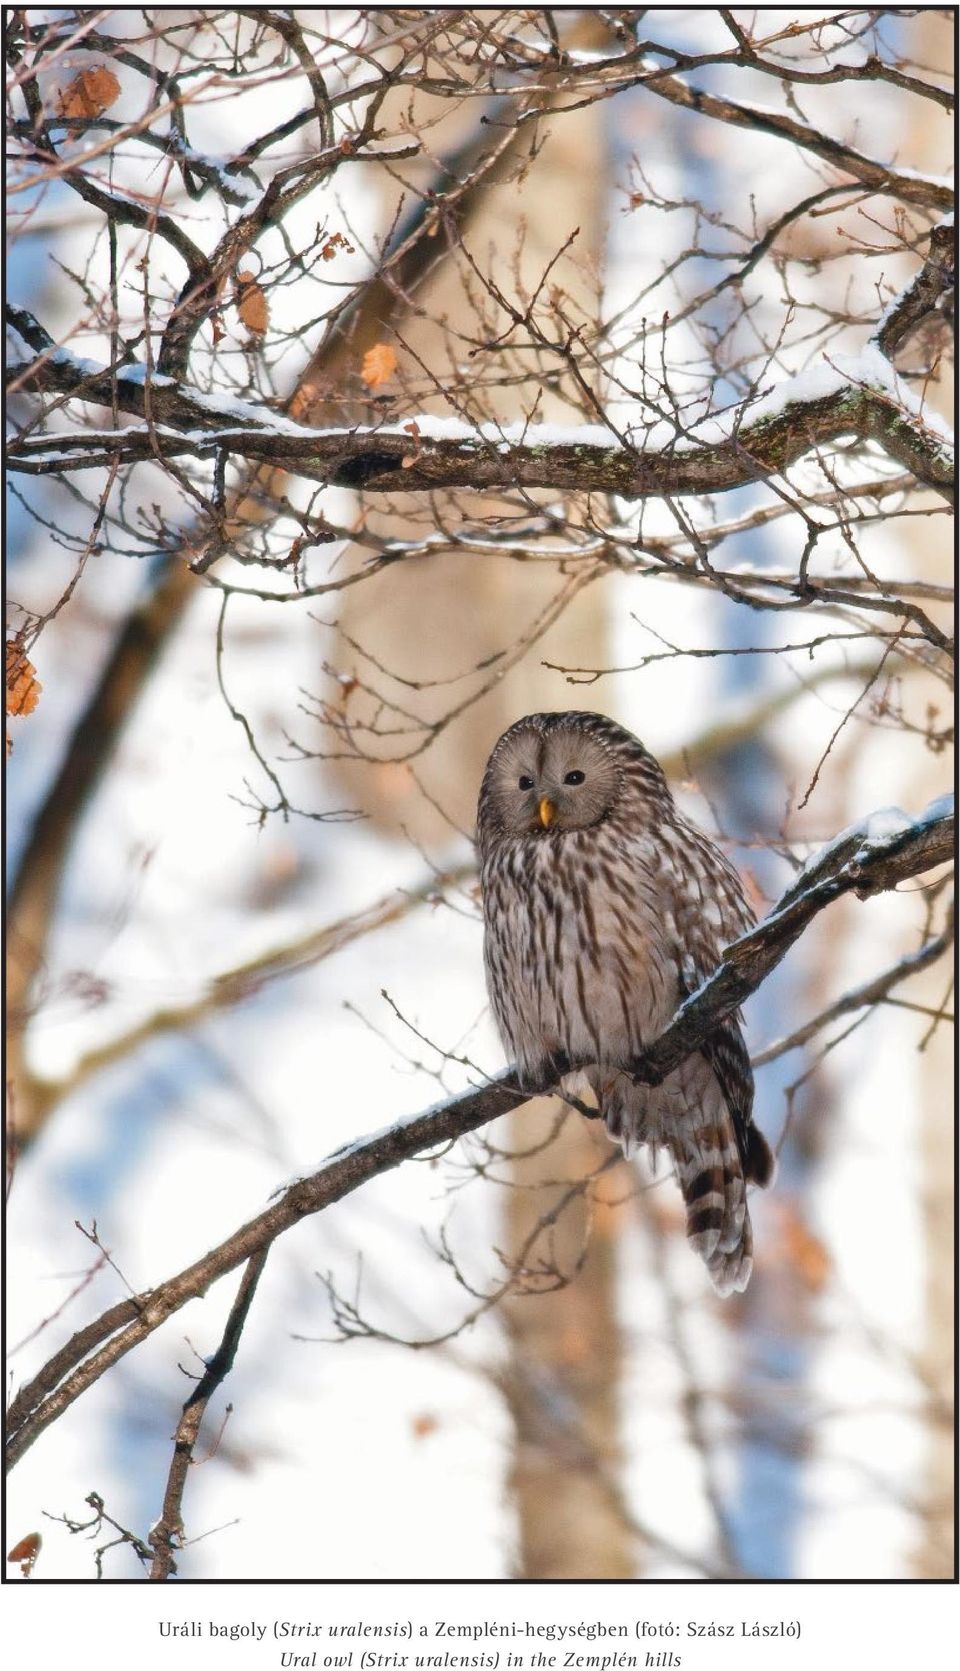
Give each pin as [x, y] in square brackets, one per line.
[574, 777]
[525, 782]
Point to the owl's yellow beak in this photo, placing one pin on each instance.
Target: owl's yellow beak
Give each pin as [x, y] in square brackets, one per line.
[547, 811]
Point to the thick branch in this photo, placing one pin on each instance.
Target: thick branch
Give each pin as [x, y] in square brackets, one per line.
[869, 858]
[71, 1371]
[880, 177]
[732, 449]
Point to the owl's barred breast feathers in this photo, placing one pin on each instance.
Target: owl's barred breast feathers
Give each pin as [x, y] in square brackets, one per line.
[603, 909]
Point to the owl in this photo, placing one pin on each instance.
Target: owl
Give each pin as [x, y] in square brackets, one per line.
[603, 909]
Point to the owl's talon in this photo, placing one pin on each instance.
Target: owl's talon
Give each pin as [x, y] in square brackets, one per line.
[546, 1082]
[642, 1075]
[530, 1085]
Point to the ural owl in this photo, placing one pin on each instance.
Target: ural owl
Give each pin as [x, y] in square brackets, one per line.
[603, 909]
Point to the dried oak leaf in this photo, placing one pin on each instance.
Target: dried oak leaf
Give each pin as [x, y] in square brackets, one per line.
[90, 93]
[251, 303]
[23, 686]
[379, 365]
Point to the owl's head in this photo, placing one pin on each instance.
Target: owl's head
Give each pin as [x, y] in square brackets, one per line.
[555, 772]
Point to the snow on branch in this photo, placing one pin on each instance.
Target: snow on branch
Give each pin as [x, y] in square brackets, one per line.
[870, 857]
[881, 177]
[843, 396]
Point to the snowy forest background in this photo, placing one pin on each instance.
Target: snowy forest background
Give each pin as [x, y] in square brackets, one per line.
[375, 377]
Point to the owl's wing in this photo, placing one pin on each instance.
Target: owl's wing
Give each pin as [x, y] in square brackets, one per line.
[697, 956]
[725, 1050]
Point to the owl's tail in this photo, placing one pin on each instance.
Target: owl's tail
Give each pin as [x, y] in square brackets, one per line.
[713, 1185]
[714, 1162]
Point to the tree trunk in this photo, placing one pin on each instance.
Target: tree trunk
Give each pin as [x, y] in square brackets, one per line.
[430, 622]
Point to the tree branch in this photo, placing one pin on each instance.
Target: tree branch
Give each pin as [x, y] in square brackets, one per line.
[244, 980]
[730, 449]
[456, 191]
[871, 857]
[864, 859]
[925, 294]
[880, 177]
[861, 997]
[165, 1536]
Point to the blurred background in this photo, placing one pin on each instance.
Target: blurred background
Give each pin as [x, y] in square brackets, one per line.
[244, 923]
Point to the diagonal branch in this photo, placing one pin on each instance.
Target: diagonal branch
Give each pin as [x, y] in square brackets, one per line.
[874, 991]
[871, 857]
[880, 177]
[929, 291]
[166, 1534]
[235, 985]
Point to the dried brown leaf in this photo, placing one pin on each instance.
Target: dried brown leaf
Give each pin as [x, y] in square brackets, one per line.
[23, 686]
[252, 303]
[379, 365]
[26, 1552]
[410, 459]
[90, 93]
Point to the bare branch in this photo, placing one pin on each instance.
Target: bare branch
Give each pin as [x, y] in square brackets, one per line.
[234, 985]
[880, 177]
[167, 1532]
[861, 997]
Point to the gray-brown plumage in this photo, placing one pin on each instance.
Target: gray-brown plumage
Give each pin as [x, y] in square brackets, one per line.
[603, 909]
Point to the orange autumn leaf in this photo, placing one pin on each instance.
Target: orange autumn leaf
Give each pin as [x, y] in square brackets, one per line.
[89, 93]
[252, 303]
[379, 365]
[23, 686]
[26, 1552]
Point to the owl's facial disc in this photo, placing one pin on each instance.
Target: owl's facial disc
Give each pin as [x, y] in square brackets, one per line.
[564, 781]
